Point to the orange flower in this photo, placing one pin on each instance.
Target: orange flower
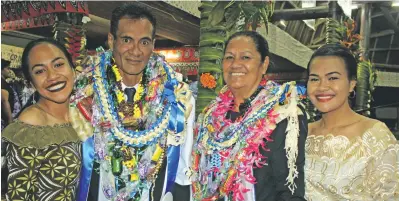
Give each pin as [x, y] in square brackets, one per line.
[208, 81]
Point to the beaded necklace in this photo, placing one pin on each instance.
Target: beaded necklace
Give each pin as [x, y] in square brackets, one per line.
[226, 151]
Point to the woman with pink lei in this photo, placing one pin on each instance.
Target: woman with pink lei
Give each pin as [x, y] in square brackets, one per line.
[250, 140]
[348, 156]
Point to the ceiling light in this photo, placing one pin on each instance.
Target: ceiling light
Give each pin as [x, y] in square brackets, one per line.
[282, 22]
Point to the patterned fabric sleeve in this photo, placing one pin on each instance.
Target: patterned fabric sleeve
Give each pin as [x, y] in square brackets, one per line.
[383, 168]
[23, 164]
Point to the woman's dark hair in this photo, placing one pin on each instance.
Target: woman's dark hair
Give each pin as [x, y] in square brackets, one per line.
[260, 42]
[339, 51]
[5, 64]
[132, 11]
[31, 45]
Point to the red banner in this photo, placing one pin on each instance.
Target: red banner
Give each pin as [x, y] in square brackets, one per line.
[29, 14]
[183, 54]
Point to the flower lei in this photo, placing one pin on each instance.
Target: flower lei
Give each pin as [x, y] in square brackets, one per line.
[226, 151]
[131, 138]
[120, 96]
[164, 127]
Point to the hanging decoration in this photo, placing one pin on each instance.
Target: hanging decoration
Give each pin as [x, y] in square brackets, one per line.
[187, 68]
[74, 39]
[30, 14]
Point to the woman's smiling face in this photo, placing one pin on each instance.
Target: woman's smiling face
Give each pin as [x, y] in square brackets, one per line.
[242, 64]
[51, 73]
[328, 84]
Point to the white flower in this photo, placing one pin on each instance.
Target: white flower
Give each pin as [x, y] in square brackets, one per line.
[86, 19]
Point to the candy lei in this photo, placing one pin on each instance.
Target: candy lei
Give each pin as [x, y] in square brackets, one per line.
[227, 151]
[109, 112]
[120, 96]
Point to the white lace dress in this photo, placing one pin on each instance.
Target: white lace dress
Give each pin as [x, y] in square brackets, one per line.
[363, 168]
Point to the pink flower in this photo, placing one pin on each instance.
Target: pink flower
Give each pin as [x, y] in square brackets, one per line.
[238, 191]
[224, 101]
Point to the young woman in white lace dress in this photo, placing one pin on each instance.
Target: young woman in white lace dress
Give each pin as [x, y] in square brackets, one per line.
[348, 156]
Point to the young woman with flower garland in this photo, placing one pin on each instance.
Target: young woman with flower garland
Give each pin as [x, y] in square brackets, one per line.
[250, 140]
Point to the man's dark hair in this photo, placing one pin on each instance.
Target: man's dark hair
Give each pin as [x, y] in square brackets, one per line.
[340, 51]
[5, 64]
[262, 46]
[32, 44]
[132, 11]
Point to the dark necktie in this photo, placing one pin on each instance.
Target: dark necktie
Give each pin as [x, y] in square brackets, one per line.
[130, 94]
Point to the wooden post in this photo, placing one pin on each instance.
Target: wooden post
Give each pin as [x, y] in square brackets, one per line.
[363, 85]
[365, 29]
[387, 66]
[300, 13]
[335, 11]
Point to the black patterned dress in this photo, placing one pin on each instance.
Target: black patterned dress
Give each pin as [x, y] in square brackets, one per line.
[44, 162]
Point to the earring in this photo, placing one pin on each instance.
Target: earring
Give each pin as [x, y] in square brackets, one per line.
[352, 95]
[33, 100]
